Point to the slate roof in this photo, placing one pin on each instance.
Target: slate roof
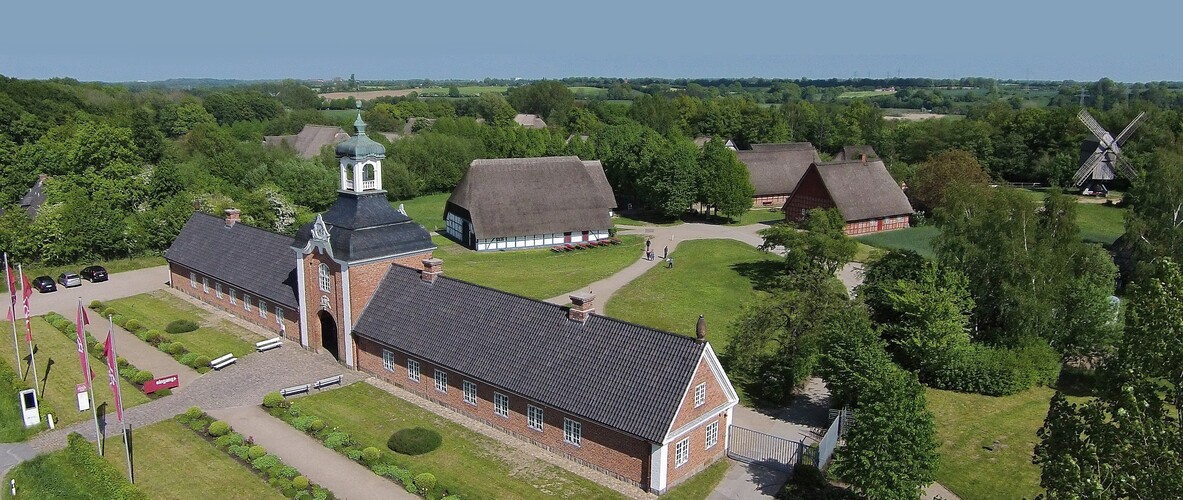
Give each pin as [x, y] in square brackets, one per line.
[776, 168]
[251, 259]
[35, 197]
[624, 376]
[310, 139]
[523, 196]
[364, 226]
[863, 190]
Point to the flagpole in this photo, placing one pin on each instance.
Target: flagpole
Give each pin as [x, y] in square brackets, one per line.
[98, 434]
[12, 314]
[28, 331]
[114, 361]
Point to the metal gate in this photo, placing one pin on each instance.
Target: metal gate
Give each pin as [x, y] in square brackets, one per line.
[749, 446]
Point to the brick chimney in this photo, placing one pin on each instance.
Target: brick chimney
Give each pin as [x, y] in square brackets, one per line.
[582, 306]
[700, 330]
[231, 216]
[432, 269]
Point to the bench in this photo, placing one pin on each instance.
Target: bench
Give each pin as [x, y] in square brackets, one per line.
[325, 382]
[223, 362]
[269, 344]
[288, 391]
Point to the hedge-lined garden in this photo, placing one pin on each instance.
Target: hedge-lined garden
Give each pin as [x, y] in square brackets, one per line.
[126, 370]
[181, 338]
[77, 472]
[284, 478]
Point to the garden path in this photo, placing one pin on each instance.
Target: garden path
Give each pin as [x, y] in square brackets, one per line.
[344, 477]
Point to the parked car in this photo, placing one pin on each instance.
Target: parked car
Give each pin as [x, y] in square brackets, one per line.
[44, 284]
[69, 279]
[94, 274]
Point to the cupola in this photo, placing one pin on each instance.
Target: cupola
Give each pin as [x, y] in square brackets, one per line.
[361, 160]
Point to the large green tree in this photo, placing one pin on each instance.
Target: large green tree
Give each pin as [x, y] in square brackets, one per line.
[725, 183]
[934, 176]
[822, 247]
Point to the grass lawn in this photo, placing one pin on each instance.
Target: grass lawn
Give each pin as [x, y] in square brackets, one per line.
[715, 278]
[968, 423]
[588, 92]
[1100, 223]
[427, 210]
[701, 485]
[59, 371]
[918, 239]
[866, 253]
[158, 449]
[539, 273]
[62, 475]
[214, 338]
[466, 91]
[644, 220]
[855, 94]
[12, 427]
[113, 266]
[468, 463]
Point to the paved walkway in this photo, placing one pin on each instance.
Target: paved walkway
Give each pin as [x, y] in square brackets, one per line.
[344, 477]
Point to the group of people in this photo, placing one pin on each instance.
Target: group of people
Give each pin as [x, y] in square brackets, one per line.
[649, 255]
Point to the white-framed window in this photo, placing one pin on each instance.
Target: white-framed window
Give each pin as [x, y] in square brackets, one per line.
[204, 284]
[441, 381]
[233, 297]
[218, 290]
[262, 309]
[326, 278]
[192, 280]
[412, 370]
[712, 434]
[534, 417]
[470, 392]
[387, 360]
[278, 315]
[682, 452]
[700, 394]
[246, 302]
[501, 404]
[572, 431]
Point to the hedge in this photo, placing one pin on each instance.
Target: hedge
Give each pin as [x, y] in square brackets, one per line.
[414, 441]
[218, 428]
[83, 455]
[181, 326]
[272, 400]
[997, 371]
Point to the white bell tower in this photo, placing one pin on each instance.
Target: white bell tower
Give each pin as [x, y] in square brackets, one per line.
[361, 160]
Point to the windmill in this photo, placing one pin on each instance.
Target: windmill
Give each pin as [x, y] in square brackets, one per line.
[1105, 162]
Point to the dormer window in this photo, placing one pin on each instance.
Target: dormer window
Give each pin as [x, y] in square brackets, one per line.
[326, 278]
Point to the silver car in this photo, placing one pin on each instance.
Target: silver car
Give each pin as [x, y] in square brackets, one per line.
[70, 280]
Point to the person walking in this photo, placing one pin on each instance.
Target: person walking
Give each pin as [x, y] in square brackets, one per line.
[669, 262]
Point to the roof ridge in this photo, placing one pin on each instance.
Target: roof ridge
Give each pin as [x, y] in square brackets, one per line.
[243, 224]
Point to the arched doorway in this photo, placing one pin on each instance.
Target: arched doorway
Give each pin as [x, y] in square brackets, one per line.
[328, 332]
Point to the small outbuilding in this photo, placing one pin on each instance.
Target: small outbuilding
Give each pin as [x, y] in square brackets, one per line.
[775, 169]
[865, 193]
[516, 203]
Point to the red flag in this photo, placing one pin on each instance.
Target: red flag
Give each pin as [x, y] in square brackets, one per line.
[113, 373]
[11, 287]
[28, 292]
[83, 320]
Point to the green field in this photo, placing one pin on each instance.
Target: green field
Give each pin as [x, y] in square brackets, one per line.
[715, 278]
[340, 115]
[918, 239]
[214, 338]
[1098, 222]
[209, 473]
[969, 423]
[857, 94]
[466, 463]
[427, 210]
[59, 372]
[75, 473]
[467, 91]
[588, 92]
[112, 266]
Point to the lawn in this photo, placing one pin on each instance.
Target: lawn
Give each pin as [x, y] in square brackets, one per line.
[969, 423]
[113, 266]
[427, 210]
[588, 92]
[644, 220]
[467, 463]
[73, 473]
[1098, 222]
[856, 94]
[918, 239]
[701, 485]
[539, 273]
[214, 338]
[465, 91]
[715, 278]
[12, 427]
[59, 371]
[159, 448]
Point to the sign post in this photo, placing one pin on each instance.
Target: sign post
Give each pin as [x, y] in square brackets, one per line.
[167, 382]
[29, 410]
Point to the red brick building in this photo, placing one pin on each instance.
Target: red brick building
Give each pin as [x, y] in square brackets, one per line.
[863, 190]
[649, 407]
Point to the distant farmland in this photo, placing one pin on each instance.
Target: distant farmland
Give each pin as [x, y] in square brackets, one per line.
[366, 95]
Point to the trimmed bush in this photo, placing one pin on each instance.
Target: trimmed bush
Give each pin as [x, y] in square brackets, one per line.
[164, 346]
[256, 451]
[177, 349]
[192, 413]
[266, 462]
[286, 472]
[119, 319]
[128, 372]
[239, 451]
[231, 439]
[153, 336]
[142, 376]
[188, 359]
[121, 363]
[337, 440]
[414, 441]
[997, 371]
[371, 454]
[201, 361]
[181, 326]
[272, 400]
[303, 423]
[133, 325]
[353, 454]
[219, 428]
[300, 483]
[319, 493]
[95, 305]
[108, 311]
[425, 483]
[317, 425]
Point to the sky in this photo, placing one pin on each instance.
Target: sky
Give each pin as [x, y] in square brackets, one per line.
[383, 40]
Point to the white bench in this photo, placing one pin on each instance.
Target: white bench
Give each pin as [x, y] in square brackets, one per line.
[325, 382]
[288, 391]
[269, 344]
[223, 361]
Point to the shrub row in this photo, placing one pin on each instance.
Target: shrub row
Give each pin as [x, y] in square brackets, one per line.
[996, 371]
[83, 457]
[284, 478]
[157, 338]
[381, 463]
[126, 370]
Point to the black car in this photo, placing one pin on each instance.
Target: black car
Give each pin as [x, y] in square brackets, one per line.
[44, 284]
[94, 274]
[69, 280]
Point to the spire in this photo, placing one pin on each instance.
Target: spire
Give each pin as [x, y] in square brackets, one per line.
[359, 123]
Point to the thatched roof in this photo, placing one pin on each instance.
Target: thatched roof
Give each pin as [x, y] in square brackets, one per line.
[522, 196]
[856, 152]
[863, 190]
[529, 121]
[776, 168]
[310, 139]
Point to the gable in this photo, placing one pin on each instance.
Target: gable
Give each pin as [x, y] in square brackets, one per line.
[719, 394]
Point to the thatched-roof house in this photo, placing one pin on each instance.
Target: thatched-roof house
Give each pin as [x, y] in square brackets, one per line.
[858, 152]
[529, 121]
[868, 197]
[310, 139]
[530, 202]
[776, 168]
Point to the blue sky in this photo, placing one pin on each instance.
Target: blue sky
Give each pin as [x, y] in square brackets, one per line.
[141, 40]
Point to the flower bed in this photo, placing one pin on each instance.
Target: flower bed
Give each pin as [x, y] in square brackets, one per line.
[127, 370]
[284, 478]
